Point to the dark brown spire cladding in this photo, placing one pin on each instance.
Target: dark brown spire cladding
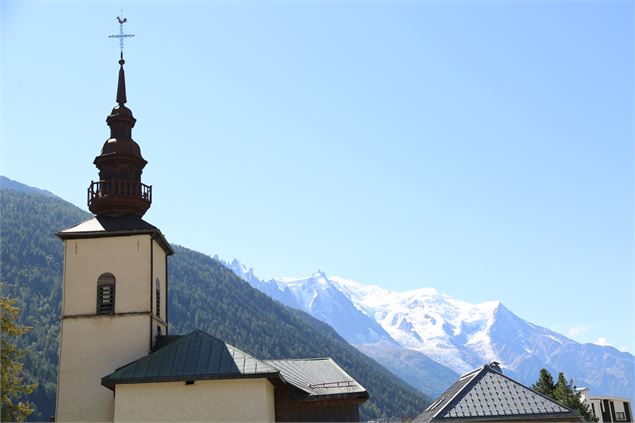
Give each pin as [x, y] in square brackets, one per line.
[121, 86]
[119, 191]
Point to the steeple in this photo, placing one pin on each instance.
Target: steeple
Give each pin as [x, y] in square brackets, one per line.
[119, 191]
[121, 120]
[121, 85]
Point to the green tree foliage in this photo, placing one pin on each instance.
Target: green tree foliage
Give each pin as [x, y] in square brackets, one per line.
[31, 258]
[564, 392]
[545, 384]
[12, 381]
[203, 294]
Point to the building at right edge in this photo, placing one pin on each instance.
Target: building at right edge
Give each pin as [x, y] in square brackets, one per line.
[608, 409]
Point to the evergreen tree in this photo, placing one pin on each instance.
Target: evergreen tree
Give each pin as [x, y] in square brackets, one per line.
[564, 392]
[13, 386]
[545, 384]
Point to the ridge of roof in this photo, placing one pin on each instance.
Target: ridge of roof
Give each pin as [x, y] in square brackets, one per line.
[196, 356]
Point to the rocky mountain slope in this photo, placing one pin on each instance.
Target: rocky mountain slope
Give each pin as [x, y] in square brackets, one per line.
[454, 333]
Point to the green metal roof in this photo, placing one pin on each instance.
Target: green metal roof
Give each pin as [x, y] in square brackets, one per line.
[197, 356]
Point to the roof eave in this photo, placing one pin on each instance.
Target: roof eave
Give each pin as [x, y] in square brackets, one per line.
[363, 396]
[111, 383]
[154, 233]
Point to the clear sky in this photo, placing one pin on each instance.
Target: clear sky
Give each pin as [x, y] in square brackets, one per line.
[481, 148]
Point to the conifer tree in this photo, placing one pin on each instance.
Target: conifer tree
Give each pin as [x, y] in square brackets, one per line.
[564, 392]
[12, 384]
[545, 384]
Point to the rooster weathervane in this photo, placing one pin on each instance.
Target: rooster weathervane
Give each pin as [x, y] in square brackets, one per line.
[121, 34]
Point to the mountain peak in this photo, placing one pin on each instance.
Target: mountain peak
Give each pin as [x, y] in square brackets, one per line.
[237, 264]
[319, 274]
[426, 291]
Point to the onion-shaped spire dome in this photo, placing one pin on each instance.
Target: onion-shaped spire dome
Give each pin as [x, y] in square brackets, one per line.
[119, 191]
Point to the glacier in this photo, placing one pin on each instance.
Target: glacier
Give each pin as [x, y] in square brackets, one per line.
[425, 324]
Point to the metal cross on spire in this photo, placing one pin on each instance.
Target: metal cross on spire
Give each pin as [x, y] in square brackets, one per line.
[121, 35]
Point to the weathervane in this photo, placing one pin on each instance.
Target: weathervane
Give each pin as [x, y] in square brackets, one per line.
[121, 35]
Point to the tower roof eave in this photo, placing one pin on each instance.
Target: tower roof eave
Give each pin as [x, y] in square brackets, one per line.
[103, 226]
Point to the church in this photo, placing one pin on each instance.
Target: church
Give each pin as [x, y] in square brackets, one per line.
[119, 363]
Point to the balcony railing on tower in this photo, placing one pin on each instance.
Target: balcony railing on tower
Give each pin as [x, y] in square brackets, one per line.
[118, 196]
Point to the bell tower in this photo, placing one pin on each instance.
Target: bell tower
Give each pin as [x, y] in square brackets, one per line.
[114, 301]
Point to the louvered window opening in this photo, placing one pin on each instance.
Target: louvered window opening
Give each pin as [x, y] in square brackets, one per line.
[106, 294]
[158, 298]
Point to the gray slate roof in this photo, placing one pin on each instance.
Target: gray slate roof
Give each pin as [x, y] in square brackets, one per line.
[319, 377]
[485, 394]
[102, 226]
[197, 356]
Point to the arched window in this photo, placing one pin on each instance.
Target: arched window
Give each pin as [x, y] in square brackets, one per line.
[157, 297]
[106, 294]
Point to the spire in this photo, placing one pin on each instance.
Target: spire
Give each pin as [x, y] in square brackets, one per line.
[121, 85]
[119, 191]
[121, 120]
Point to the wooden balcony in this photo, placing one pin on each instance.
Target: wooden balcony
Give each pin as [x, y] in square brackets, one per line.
[119, 197]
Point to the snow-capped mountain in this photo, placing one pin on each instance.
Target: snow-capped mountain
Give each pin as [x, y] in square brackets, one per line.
[318, 296]
[454, 333]
[449, 331]
[323, 299]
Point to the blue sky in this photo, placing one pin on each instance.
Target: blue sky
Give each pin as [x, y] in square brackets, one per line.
[481, 148]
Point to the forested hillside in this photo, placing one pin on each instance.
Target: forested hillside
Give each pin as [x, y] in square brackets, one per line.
[203, 294]
[31, 259]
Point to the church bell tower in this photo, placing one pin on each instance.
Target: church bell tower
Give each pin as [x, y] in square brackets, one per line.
[114, 300]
